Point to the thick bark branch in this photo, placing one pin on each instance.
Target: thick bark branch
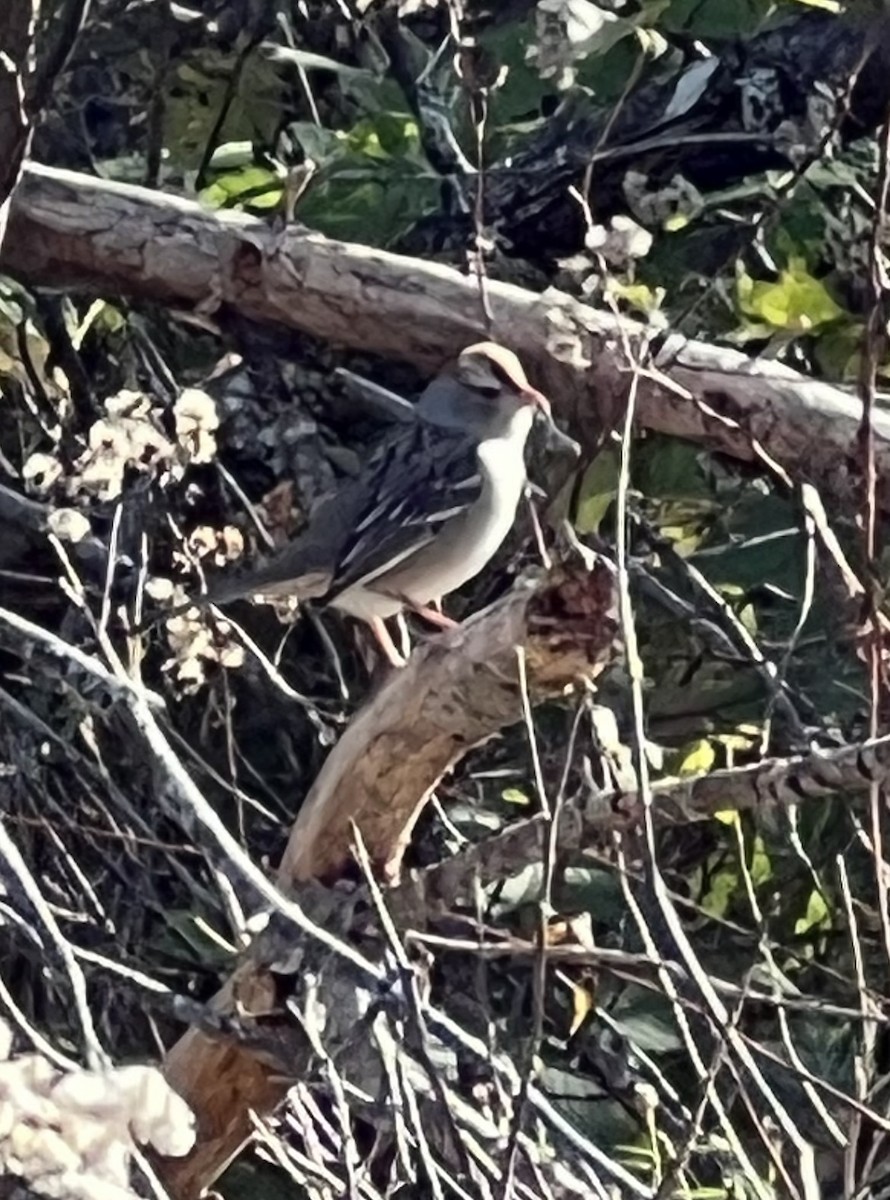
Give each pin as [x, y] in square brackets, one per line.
[69, 229]
[458, 691]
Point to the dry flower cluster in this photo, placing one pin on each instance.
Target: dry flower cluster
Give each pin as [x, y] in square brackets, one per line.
[72, 1134]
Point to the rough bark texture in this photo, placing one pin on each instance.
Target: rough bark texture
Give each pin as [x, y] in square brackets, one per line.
[456, 692]
[72, 230]
[423, 895]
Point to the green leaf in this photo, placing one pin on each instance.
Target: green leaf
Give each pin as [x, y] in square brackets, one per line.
[320, 144]
[385, 135]
[645, 1018]
[686, 538]
[598, 489]
[797, 301]
[670, 468]
[205, 947]
[514, 795]
[696, 759]
[838, 351]
[593, 890]
[606, 73]
[761, 866]
[724, 885]
[747, 614]
[198, 95]
[675, 223]
[816, 917]
[257, 186]
[369, 205]
[638, 296]
[717, 18]
[727, 816]
[520, 95]
[232, 156]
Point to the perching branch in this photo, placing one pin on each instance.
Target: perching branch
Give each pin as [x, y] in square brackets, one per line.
[457, 691]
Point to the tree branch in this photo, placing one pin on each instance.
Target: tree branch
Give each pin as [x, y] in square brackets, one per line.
[70, 229]
[457, 691]
[422, 896]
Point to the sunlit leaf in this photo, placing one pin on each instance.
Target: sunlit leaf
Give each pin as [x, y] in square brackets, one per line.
[817, 915]
[258, 187]
[686, 538]
[727, 816]
[797, 301]
[697, 759]
[643, 299]
[747, 614]
[514, 795]
[231, 156]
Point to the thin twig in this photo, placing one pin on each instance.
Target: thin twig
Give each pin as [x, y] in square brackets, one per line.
[414, 1007]
[16, 869]
[872, 356]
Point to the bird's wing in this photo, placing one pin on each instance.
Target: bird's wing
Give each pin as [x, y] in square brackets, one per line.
[413, 483]
[422, 480]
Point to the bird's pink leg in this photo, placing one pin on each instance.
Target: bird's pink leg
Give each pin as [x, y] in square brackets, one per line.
[387, 645]
[435, 617]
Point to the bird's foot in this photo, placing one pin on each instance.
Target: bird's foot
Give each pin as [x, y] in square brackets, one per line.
[387, 645]
[435, 617]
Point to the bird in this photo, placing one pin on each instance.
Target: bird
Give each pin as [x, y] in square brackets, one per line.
[429, 510]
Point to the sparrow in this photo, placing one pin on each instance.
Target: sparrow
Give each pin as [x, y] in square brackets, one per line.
[428, 511]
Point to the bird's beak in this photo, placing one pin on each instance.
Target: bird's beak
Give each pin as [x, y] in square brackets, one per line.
[555, 441]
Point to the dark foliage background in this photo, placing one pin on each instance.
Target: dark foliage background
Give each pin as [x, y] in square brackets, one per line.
[709, 168]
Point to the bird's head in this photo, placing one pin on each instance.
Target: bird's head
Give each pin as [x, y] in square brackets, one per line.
[495, 372]
[494, 385]
[485, 393]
